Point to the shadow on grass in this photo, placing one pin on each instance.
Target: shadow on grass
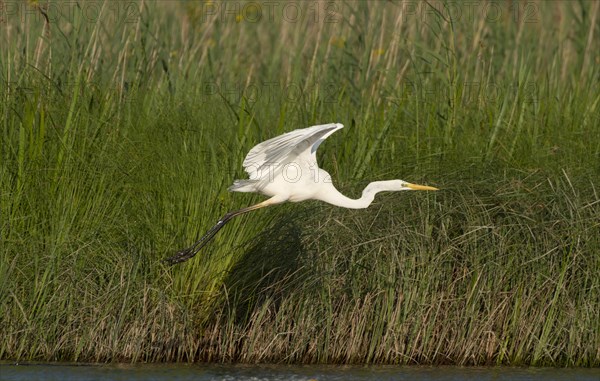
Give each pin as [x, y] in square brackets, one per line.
[269, 270]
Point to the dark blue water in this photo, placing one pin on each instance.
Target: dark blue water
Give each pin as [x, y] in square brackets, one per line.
[198, 372]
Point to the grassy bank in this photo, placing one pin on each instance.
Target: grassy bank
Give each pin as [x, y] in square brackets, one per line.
[123, 125]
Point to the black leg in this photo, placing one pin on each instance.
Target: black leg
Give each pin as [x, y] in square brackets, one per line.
[185, 254]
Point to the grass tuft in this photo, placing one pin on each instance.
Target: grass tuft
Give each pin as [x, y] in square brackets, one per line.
[123, 124]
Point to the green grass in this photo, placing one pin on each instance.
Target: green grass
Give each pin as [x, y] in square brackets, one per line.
[121, 133]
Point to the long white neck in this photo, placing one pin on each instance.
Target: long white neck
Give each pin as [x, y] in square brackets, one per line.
[332, 196]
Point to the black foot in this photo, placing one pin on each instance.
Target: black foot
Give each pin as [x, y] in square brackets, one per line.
[181, 256]
[188, 253]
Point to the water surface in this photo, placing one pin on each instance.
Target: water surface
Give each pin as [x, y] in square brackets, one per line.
[200, 372]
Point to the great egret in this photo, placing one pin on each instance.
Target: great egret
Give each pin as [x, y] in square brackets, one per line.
[285, 168]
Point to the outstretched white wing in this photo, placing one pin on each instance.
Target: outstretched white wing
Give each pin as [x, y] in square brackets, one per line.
[274, 153]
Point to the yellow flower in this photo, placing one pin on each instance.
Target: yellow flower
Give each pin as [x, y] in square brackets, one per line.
[378, 52]
[338, 42]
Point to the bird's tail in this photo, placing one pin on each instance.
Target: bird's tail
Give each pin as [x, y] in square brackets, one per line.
[243, 186]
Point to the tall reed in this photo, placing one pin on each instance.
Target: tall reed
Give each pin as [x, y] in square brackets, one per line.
[124, 123]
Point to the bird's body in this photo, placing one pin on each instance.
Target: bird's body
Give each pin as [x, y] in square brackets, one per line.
[298, 182]
[285, 168]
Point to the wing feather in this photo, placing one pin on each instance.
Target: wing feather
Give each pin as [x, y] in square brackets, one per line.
[283, 149]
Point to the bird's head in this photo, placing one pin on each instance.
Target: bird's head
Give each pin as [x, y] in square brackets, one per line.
[409, 186]
[400, 185]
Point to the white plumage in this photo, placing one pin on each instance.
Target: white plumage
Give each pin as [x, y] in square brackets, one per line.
[289, 159]
[285, 169]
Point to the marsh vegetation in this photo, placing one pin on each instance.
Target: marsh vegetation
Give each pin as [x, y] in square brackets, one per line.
[123, 124]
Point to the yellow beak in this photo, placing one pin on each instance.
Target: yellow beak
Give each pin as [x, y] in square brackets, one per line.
[420, 187]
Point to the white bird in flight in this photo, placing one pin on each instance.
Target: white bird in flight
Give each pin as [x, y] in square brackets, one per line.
[285, 169]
